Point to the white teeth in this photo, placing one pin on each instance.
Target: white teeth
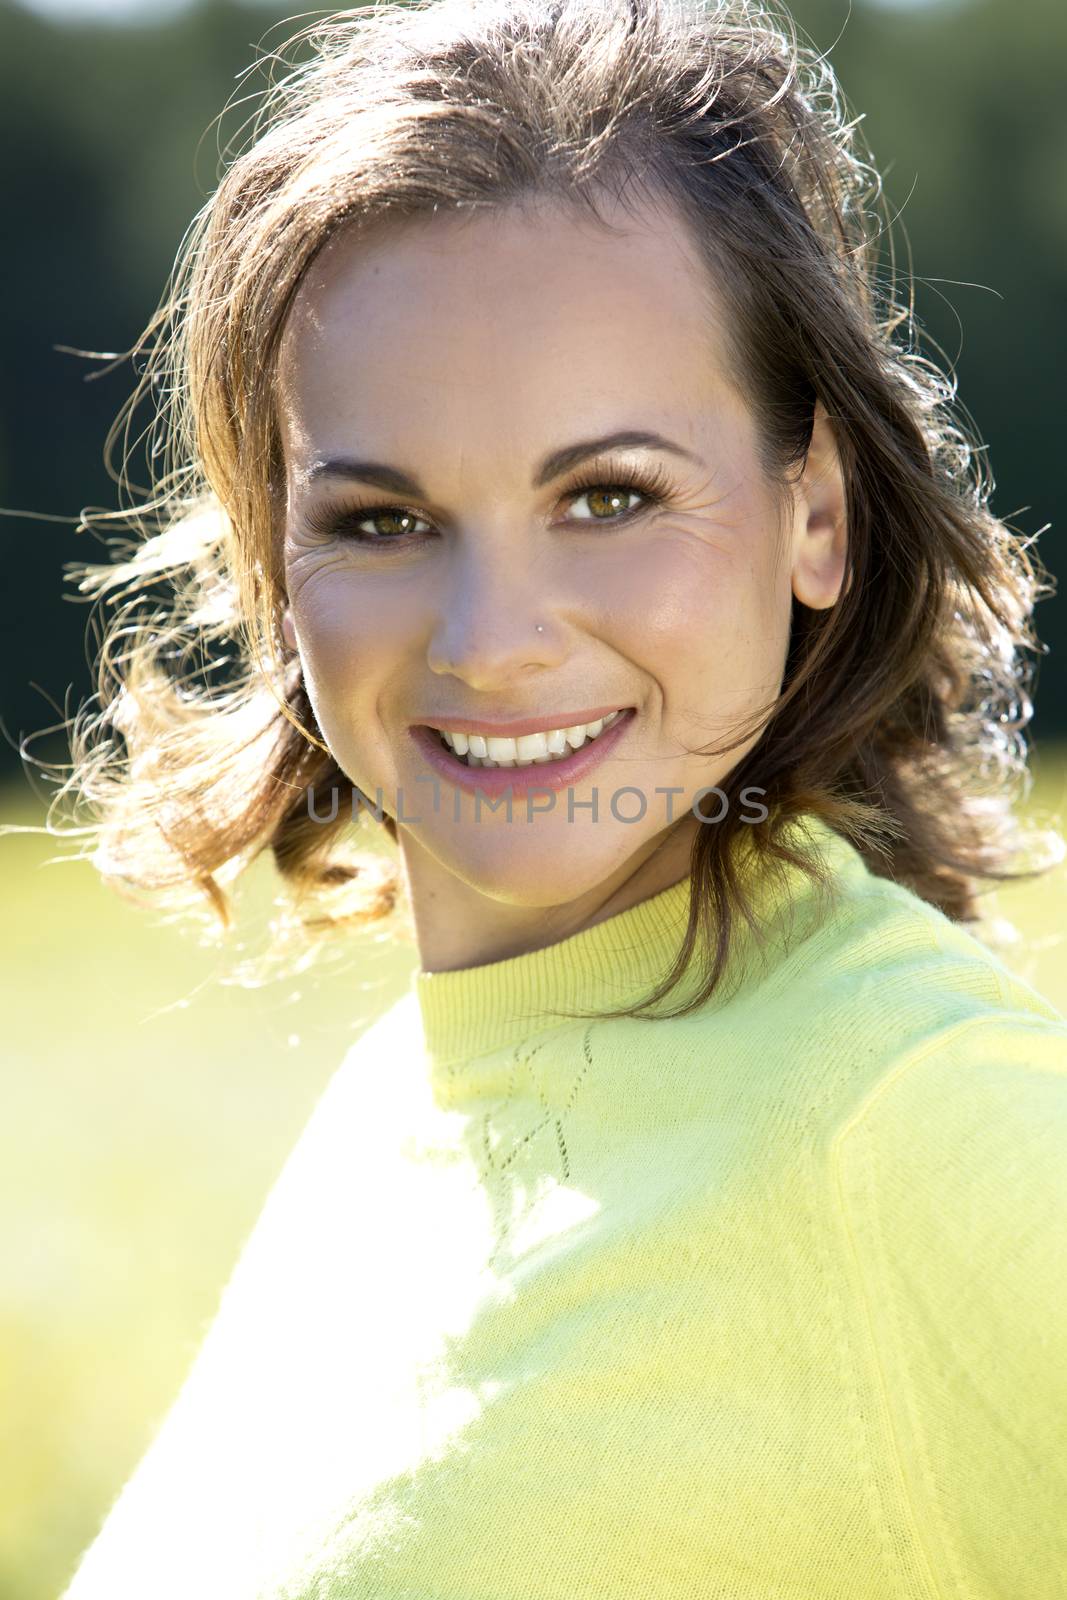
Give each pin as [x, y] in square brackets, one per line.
[528, 749]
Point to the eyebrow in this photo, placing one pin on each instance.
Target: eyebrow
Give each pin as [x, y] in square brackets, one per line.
[554, 465]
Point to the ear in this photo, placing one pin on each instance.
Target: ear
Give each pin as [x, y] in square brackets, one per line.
[820, 529]
[288, 629]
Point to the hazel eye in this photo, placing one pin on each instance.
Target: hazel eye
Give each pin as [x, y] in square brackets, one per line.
[401, 528]
[334, 521]
[391, 514]
[609, 494]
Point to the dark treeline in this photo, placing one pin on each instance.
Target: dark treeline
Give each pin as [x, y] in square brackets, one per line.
[109, 146]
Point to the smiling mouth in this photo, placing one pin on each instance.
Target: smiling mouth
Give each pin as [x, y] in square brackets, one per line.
[528, 750]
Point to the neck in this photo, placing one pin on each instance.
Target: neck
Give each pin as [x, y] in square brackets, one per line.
[458, 925]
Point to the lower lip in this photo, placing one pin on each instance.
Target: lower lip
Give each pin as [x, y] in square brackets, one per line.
[493, 781]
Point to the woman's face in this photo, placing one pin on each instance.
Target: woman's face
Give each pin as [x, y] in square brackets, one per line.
[484, 582]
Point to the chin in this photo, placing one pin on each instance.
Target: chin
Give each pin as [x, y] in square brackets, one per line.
[523, 864]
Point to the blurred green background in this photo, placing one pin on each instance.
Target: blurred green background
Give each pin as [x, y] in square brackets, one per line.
[149, 1106]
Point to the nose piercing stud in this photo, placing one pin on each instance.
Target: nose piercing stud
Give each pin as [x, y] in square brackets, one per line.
[540, 629]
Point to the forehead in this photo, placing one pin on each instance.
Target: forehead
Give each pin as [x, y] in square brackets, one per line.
[500, 326]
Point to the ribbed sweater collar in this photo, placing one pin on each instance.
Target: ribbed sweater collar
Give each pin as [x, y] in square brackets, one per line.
[472, 1011]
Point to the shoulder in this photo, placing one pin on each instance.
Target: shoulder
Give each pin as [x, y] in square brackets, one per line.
[397, 1029]
[974, 1100]
[374, 1074]
[949, 1181]
[951, 1164]
[348, 1115]
[947, 1168]
[880, 962]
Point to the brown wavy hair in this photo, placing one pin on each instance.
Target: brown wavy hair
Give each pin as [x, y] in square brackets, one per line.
[901, 714]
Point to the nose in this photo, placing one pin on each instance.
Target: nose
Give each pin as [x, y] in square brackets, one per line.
[494, 624]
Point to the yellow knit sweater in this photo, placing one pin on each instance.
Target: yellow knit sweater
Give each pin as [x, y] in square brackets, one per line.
[768, 1302]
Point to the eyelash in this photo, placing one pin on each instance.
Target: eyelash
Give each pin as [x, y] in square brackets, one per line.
[333, 519]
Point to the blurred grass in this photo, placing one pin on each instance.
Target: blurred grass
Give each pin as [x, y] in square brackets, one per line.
[148, 1111]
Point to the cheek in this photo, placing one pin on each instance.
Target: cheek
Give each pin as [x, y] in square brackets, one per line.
[350, 629]
[351, 639]
[706, 618]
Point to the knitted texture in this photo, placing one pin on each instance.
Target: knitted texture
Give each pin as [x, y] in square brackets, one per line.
[768, 1302]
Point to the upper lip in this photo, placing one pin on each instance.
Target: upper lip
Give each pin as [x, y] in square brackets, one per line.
[516, 728]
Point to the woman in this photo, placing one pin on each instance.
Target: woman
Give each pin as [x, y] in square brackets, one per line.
[694, 1226]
